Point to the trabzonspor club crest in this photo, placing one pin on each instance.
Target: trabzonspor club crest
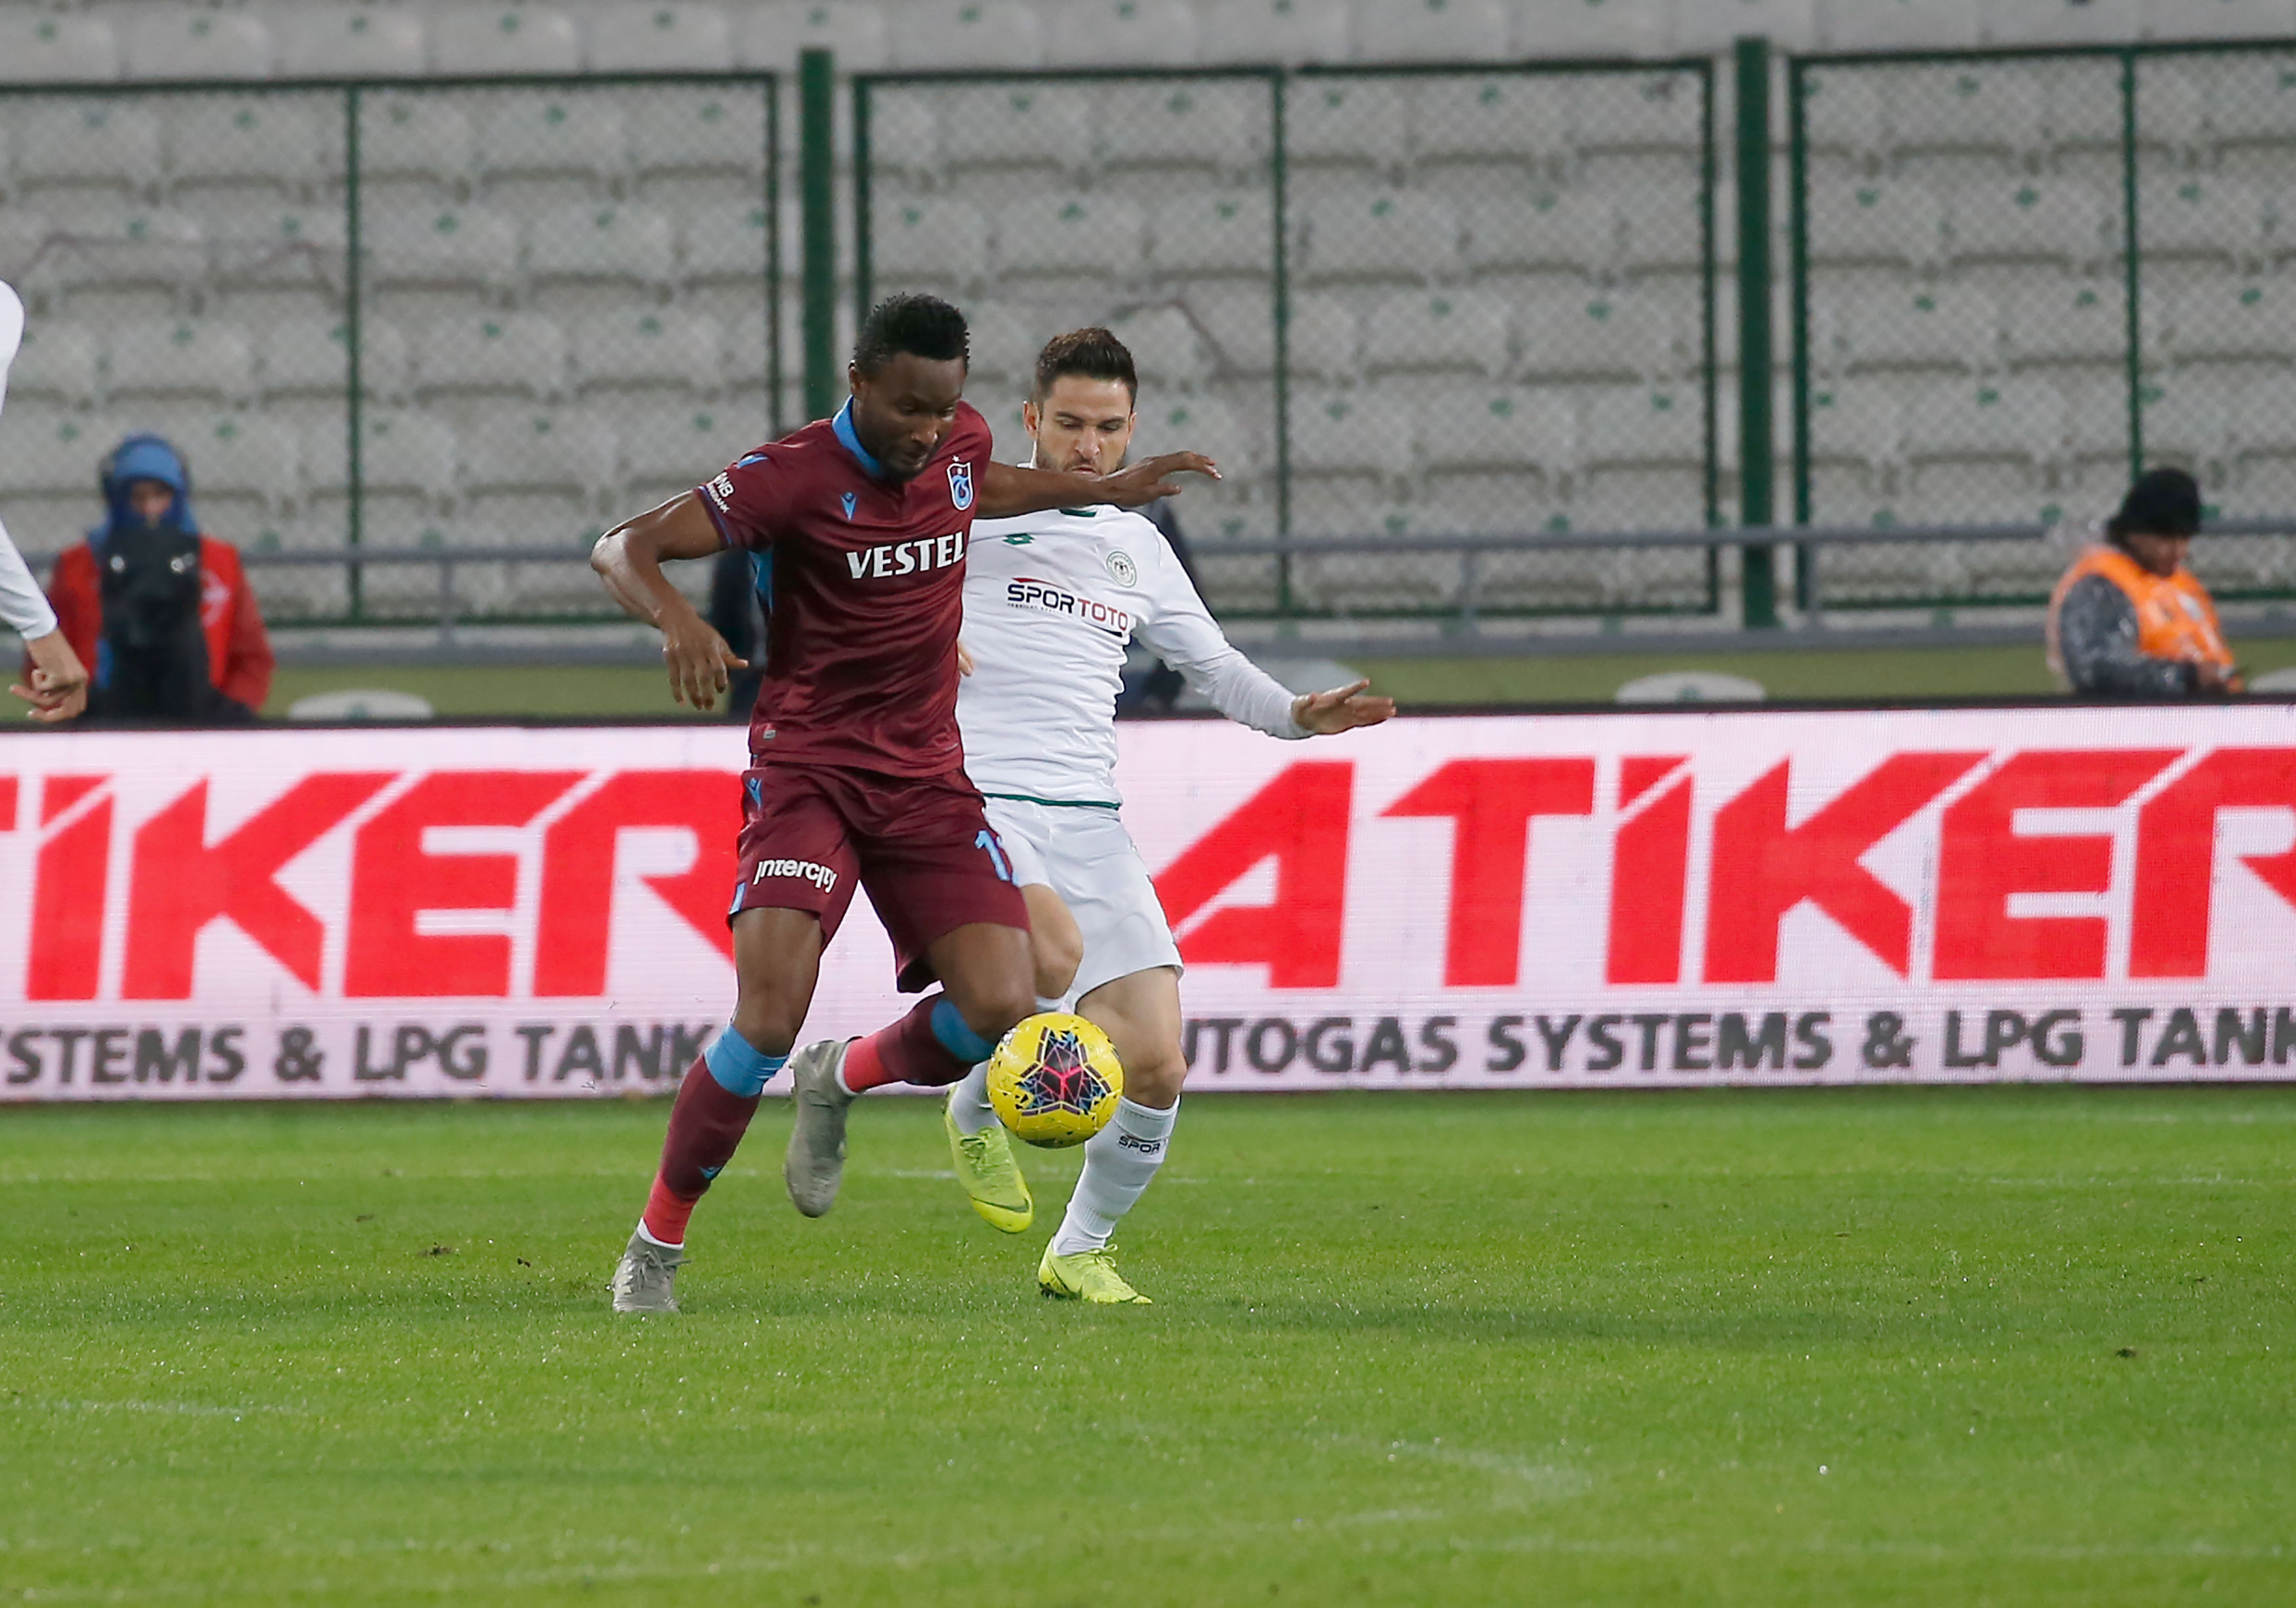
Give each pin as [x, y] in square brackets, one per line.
[960, 485]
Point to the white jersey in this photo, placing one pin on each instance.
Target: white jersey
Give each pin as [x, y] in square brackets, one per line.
[22, 604]
[1052, 600]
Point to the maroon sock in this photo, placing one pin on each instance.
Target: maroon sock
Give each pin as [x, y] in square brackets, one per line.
[908, 1052]
[706, 1126]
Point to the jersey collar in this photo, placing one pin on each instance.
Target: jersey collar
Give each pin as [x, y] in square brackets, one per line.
[851, 441]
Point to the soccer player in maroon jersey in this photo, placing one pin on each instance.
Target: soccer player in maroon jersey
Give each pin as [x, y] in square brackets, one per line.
[859, 526]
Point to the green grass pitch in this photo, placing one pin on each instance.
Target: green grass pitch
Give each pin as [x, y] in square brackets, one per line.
[1915, 1346]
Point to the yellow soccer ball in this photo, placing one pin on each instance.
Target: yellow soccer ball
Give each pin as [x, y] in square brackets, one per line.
[1055, 1079]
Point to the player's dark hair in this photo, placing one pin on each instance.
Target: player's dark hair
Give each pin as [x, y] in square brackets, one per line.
[923, 326]
[1089, 354]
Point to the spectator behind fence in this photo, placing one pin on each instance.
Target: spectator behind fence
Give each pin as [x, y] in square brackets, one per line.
[2128, 620]
[160, 609]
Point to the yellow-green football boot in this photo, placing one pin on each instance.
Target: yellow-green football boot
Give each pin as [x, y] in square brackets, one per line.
[1089, 1275]
[990, 1176]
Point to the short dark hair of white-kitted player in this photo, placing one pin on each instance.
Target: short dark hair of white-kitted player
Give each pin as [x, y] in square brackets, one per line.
[923, 326]
[1089, 354]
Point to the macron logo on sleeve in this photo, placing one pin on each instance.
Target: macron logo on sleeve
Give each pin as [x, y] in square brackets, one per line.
[888, 559]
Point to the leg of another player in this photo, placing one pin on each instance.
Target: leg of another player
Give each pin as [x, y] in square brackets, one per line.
[1141, 1015]
[985, 974]
[776, 960]
[1055, 948]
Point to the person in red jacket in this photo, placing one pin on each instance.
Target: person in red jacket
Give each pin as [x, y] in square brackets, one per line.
[159, 609]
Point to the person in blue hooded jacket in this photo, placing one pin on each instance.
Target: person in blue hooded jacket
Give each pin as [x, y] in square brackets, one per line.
[162, 610]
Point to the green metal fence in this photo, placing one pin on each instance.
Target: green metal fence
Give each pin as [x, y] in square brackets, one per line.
[483, 316]
[1395, 303]
[2020, 277]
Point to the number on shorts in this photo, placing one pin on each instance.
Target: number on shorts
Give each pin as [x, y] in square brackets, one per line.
[987, 840]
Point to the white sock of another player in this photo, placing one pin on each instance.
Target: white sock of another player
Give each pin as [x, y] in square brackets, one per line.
[1118, 1162]
[968, 1102]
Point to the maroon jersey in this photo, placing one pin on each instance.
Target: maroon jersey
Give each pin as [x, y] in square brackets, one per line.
[863, 579]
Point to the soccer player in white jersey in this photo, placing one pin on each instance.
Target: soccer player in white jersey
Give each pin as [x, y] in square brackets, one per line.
[58, 689]
[1052, 600]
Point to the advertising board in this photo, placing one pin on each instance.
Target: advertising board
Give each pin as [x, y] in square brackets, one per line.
[1608, 899]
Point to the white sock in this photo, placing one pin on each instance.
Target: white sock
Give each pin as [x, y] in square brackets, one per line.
[1115, 1173]
[968, 1102]
[647, 1236]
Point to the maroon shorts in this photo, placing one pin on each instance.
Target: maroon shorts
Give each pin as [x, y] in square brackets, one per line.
[921, 845]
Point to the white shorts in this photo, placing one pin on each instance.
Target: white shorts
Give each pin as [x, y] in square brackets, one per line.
[1082, 852]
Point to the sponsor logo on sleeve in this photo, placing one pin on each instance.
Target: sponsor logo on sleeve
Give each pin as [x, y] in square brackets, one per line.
[721, 491]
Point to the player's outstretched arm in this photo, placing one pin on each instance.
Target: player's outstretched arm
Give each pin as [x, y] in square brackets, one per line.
[1341, 710]
[628, 559]
[1007, 489]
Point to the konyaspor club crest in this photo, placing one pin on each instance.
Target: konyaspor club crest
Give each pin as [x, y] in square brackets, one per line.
[960, 485]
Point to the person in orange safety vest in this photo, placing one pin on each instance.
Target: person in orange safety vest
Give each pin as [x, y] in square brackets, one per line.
[2128, 620]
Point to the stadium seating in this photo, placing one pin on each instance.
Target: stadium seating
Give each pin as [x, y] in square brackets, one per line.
[310, 358]
[968, 33]
[59, 363]
[481, 39]
[771, 36]
[329, 42]
[1289, 32]
[1213, 234]
[1343, 121]
[202, 360]
[1464, 332]
[413, 136]
[1900, 24]
[1217, 129]
[1064, 234]
[2219, 19]
[601, 243]
[1047, 128]
[670, 348]
[1380, 235]
[1166, 345]
[1121, 33]
[555, 136]
[456, 248]
[1708, 26]
[700, 132]
[926, 241]
[88, 144]
[660, 38]
[1432, 30]
[181, 42]
[268, 142]
[2060, 22]
[491, 354]
[48, 48]
[1591, 28]
[238, 457]
[1507, 121]
[1577, 230]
